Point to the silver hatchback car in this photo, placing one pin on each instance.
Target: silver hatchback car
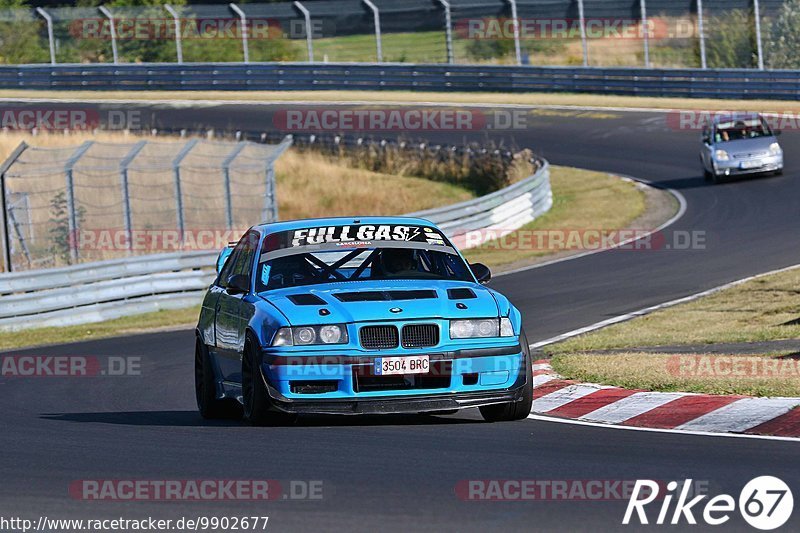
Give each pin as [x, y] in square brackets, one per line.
[738, 144]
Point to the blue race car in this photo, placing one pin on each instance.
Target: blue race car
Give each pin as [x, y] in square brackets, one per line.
[357, 316]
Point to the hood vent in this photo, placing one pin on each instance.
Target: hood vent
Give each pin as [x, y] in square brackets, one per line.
[384, 296]
[306, 299]
[461, 293]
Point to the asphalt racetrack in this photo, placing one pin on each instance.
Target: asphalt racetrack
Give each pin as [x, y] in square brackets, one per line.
[401, 473]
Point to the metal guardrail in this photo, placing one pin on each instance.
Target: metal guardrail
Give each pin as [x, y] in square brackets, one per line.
[700, 83]
[104, 290]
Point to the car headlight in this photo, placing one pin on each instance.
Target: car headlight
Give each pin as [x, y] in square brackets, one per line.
[311, 335]
[481, 328]
[775, 149]
[721, 155]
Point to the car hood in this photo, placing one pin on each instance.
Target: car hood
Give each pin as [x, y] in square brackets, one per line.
[747, 146]
[367, 301]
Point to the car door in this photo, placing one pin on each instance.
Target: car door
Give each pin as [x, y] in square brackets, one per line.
[231, 320]
[705, 151]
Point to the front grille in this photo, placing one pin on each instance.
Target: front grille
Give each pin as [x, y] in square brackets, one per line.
[379, 337]
[750, 155]
[420, 335]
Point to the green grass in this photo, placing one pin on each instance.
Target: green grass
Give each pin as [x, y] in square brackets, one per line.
[110, 328]
[422, 47]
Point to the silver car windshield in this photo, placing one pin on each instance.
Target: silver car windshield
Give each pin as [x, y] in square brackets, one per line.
[736, 130]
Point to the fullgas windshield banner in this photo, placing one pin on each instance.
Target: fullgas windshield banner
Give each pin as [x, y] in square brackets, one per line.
[328, 238]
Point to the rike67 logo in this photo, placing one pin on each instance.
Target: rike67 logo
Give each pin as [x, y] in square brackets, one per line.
[765, 503]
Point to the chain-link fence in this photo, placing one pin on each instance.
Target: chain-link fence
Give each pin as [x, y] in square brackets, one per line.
[658, 33]
[106, 200]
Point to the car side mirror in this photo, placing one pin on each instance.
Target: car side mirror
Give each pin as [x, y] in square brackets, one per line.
[706, 139]
[238, 284]
[481, 272]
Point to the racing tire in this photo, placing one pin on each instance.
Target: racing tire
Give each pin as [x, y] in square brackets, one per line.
[258, 410]
[205, 387]
[507, 412]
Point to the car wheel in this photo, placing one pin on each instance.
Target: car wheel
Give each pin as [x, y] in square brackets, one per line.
[205, 387]
[506, 412]
[258, 409]
[706, 174]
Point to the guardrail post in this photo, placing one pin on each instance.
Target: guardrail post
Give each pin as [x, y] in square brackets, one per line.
[309, 40]
[5, 234]
[176, 169]
[72, 217]
[377, 18]
[177, 21]
[701, 35]
[50, 37]
[515, 26]
[759, 44]
[448, 31]
[126, 197]
[584, 44]
[104, 10]
[646, 33]
[226, 173]
[243, 20]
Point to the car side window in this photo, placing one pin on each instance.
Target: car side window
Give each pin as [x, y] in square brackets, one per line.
[244, 263]
[234, 263]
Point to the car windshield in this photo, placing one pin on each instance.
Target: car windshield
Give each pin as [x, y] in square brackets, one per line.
[736, 130]
[360, 264]
[357, 252]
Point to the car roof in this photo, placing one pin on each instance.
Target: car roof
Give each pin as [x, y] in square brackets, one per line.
[289, 225]
[736, 115]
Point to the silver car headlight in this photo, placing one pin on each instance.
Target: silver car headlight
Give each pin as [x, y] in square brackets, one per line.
[721, 155]
[481, 328]
[311, 335]
[775, 149]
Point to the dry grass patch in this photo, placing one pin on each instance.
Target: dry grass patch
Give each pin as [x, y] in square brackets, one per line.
[767, 308]
[582, 199]
[146, 322]
[309, 184]
[452, 98]
[675, 372]
[312, 185]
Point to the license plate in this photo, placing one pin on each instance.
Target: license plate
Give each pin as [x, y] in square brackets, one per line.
[390, 366]
[750, 164]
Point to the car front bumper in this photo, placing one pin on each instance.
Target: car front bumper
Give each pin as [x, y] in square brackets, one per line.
[459, 379]
[757, 165]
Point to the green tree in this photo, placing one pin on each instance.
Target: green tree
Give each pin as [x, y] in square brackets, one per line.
[20, 35]
[783, 42]
[731, 40]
